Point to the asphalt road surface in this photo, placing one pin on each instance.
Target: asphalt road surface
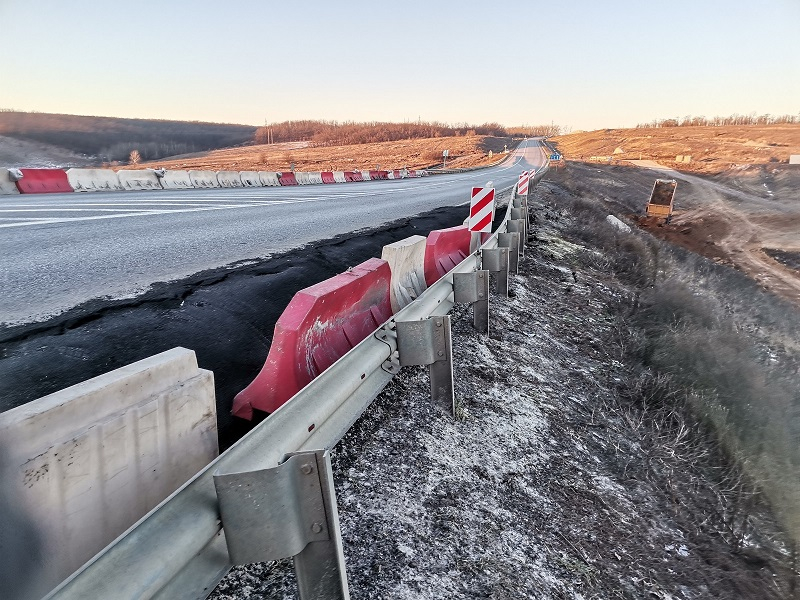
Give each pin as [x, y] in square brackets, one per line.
[60, 250]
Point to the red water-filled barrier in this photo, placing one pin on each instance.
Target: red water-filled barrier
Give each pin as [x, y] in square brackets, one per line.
[43, 181]
[378, 175]
[320, 325]
[353, 176]
[287, 179]
[327, 177]
[412, 173]
[397, 175]
[444, 250]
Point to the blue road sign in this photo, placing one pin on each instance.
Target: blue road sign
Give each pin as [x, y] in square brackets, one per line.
[555, 157]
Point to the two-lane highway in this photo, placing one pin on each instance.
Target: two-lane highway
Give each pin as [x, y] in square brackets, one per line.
[59, 250]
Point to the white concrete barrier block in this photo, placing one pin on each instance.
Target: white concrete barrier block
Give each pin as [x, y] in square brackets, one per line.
[7, 184]
[229, 179]
[250, 179]
[176, 180]
[93, 180]
[302, 178]
[139, 179]
[315, 177]
[406, 260]
[204, 179]
[617, 224]
[92, 459]
[338, 177]
[365, 176]
[269, 178]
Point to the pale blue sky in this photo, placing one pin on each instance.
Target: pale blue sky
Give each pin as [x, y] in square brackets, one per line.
[579, 63]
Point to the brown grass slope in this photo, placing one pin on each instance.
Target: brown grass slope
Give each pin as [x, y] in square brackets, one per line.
[712, 149]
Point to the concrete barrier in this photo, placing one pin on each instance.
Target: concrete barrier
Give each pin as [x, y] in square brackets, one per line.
[204, 179]
[338, 177]
[327, 177]
[139, 179]
[92, 459]
[287, 178]
[93, 180]
[365, 175]
[8, 184]
[445, 248]
[250, 179]
[302, 178]
[229, 179]
[315, 177]
[320, 325]
[176, 180]
[269, 178]
[43, 181]
[406, 260]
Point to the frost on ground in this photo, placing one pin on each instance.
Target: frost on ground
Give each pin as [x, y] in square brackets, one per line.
[550, 482]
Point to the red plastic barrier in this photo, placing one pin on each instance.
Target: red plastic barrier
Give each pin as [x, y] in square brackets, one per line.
[412, 173]
[287, 179]
[327, 177]
[444, 250]
[43, 181]
[353, 176]
[396, 174]
[320, 325]
[378, 175]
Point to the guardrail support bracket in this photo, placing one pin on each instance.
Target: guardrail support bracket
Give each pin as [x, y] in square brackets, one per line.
[288, 510]
[496, 260]
[518, 226]
[429, 342]
[473, 288]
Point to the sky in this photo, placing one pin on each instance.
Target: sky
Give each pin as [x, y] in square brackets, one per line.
[581, 64]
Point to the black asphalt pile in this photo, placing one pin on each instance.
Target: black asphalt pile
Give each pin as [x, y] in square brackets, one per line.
[227, 316]
[557, 477]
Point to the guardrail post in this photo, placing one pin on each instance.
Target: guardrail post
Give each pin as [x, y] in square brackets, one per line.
[429, 342]
[473, 288]
[521, 214]
[518, 226]
[510, 241]
[288, 510]
[496, 260]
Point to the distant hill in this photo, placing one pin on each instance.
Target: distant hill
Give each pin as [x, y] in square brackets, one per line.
[110, 139]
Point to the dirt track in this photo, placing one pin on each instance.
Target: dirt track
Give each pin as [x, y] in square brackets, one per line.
[741, 225]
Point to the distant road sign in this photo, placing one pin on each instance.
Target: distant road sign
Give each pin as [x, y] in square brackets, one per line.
[555, 157]
[481, 211]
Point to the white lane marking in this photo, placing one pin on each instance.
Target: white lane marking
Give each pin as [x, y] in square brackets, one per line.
[51, 220]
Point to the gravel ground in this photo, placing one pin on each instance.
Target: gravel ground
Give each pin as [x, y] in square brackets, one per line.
[552, 481]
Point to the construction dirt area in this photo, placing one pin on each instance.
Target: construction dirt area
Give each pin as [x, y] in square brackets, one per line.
[463, 151]
[746, 215]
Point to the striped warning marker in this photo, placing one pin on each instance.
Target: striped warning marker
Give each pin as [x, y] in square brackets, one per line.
[481, 210]
[522, 184]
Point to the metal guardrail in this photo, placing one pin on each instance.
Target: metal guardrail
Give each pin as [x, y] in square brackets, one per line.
[179, 549]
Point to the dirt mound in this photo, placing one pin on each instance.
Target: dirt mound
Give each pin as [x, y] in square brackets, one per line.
[36, 155]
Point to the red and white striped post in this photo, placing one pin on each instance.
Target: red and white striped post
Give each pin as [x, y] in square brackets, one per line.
[481, 214]
[522, 184]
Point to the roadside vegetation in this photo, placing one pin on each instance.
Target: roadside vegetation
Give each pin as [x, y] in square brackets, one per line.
[712, 358]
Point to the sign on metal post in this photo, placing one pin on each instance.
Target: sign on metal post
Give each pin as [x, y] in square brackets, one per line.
[555, 157]
[481, 210]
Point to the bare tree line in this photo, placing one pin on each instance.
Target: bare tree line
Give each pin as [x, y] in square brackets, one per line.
[735, 119]
[329, 133]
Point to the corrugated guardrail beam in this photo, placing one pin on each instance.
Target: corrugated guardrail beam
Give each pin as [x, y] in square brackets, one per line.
[179, 550]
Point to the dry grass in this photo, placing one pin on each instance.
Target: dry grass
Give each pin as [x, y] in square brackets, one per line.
[713, 149]
[465, 151]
